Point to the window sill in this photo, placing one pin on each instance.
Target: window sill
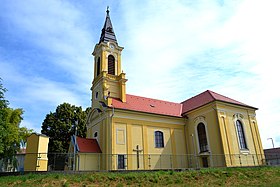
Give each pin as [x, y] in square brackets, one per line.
[207, 152]
[244, 151]
[159, 147]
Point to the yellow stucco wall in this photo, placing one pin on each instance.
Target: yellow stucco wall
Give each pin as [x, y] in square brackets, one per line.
[208, 116]
[88, 161]
[105, 83]
[219, 119]
[228, 114]
[119, 134]
[127, 129]
[133, 129]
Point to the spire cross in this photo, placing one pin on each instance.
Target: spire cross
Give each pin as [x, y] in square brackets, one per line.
[107, 10]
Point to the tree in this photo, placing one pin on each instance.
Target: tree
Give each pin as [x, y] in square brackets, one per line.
[23, 134]
[9, 129]
[11, 134]
[60, 126]
[3, 103]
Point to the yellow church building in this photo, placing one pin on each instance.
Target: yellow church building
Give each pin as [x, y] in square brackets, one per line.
[134, 132]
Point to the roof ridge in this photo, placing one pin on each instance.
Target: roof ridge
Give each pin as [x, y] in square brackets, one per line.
[210, 92]
[153, 99]
[193, 96]
[85, 138]
[225, 97]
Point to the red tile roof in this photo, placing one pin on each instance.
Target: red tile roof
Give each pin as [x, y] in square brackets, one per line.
[207, 97]
[87, 145]
[148, 105]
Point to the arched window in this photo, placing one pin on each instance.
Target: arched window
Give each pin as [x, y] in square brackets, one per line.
[111, 64]
[241, 135]
[98, 67]
[159, 139]
[202, 138]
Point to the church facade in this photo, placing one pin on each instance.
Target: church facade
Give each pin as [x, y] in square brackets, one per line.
[133, 132]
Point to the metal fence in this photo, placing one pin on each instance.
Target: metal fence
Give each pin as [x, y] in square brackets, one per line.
[99, 162]
[272, 159]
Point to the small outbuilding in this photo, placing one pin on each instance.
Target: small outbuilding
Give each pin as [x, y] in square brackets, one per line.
[86, 154]
[36, 156]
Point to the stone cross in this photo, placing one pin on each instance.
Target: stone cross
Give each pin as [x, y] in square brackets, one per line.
[137, 150]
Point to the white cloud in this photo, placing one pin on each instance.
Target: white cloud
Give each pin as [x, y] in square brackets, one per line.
[180, 50]
[57, 28]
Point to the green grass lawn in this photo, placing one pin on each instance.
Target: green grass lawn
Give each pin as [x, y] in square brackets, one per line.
[257, 176]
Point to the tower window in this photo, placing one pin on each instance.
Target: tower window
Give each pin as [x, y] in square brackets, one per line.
[202, 138]
[111, 64]
[95, 135]
[96, 95]
[241, 135]
[98, 67]
[159, 141]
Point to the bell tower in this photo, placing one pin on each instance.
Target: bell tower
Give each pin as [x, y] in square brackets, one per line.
[109, 80]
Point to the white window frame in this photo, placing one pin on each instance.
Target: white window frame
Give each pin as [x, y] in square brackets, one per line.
[162, 138]
[239, 117]
[198, 120]
[124, 161]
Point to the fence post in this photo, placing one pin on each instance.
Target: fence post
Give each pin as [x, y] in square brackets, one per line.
[149, 160]
[211, 160]
[85, 160]
[54, 161]
[171, 162]
[181, 161]
[160, 161]
[190, 161]
[98, 164]
[196, 161]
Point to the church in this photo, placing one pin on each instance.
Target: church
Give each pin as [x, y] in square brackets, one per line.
[129, 132]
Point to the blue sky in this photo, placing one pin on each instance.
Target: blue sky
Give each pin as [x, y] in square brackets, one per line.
[173, 50]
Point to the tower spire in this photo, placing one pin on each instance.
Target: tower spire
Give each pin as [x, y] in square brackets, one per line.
[107, 33]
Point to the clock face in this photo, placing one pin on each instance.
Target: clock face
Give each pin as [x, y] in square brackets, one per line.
[112, 46]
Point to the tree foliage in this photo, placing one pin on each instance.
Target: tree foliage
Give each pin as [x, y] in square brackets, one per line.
[60, 126]
[23, 134]
[3, 102]
[11, 134]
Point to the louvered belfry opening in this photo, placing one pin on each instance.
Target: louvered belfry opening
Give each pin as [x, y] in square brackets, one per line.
[111, 64]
